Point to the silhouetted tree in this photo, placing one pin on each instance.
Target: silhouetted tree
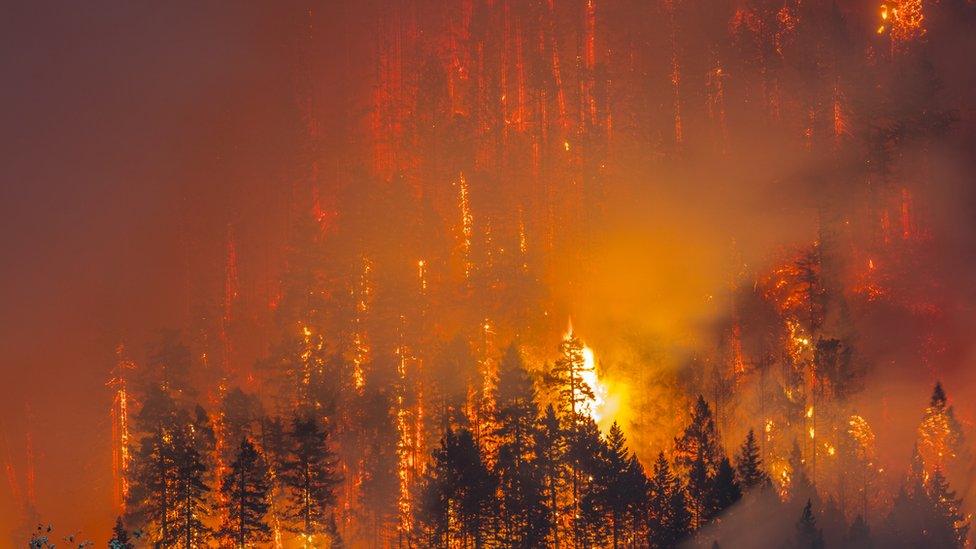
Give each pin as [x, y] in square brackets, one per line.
[246, 490]
[698, 453]
[120, 537]
[808, 536]
[456, 499]
[940, 439]
[725, 489]
[309, 476]
[550, 448]
[749, 465]
[191, 503]
[619, 489]
[585, 454]
[801, 488]
[524, 516]
[668, 520]
[566, 379]
[948, 526]
[152, 496]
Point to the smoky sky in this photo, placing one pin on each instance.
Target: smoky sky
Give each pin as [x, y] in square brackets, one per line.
[109, 110]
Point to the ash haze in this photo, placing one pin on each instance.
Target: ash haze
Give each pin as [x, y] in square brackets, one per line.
[388, 220]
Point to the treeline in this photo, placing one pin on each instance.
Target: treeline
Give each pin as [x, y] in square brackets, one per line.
[539, 473]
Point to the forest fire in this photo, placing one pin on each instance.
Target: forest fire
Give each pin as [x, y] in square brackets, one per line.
[339, 246]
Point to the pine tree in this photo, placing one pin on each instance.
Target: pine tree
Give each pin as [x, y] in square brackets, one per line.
[152, 499]
[749, 465]
[191, 504]
[697, 451]
[614, 483]
[808, 536]
[725, 490]
[523, 514]
[906, 521]
[940, 439]
[120, 537]
[925, 512]
[309, 476]
[457, 494]
[550, 448]
[636, 487]
[801, 488]
[948, 526]
[516, 406]
[246, 490]
[566, 377]
[668, 520]
[585, 450]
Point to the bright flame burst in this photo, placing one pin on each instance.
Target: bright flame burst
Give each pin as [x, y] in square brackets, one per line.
[596, 407]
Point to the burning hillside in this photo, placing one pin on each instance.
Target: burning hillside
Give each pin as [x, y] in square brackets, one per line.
[755, 215]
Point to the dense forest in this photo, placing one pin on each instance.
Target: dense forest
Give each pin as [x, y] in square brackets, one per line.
[516, 475]
[581, 273]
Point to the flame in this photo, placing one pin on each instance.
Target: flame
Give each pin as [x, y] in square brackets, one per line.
[595, 408]
[602, 408]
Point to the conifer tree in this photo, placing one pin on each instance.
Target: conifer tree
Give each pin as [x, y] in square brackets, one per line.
[456, 497]
[940, 439]
[566, 377]
[668, 520]
[516, 406]
[948, 526]
[523, 512]
[698, 453]
[152, 498]
[808, 536]
[801, 488]
[636, 488]
[309, 476]
[585, 452]
[120, 536]
[749, 465]
[725, 490]
[190, 493]
[550, 448]
[246, 490]
[615, 483]
[925, 512]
